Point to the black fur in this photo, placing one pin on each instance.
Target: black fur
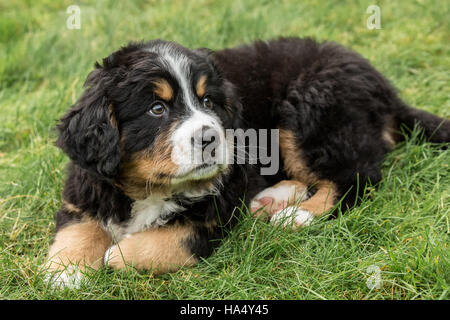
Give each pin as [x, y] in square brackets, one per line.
[335, 101]
[332, 98]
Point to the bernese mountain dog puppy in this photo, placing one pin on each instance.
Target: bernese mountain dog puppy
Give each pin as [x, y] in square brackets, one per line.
[134, 196]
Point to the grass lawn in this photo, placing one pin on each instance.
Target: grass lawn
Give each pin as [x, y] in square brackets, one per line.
[402, 228]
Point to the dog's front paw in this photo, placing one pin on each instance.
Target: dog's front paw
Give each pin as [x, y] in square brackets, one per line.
[292, 216]
[70, 277]
[278, 197]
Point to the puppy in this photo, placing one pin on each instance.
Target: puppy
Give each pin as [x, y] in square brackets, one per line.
[136, 195]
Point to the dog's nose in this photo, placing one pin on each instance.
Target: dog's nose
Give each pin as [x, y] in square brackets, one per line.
[204, 136]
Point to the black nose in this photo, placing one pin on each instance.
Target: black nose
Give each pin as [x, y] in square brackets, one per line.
[204, 136]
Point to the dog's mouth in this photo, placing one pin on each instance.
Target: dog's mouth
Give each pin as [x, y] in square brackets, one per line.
[205, 171]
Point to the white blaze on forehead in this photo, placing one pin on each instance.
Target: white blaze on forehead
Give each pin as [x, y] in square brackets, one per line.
[178, 65]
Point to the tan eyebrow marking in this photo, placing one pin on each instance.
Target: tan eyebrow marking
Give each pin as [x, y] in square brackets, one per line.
[200, 88]
[163, 89]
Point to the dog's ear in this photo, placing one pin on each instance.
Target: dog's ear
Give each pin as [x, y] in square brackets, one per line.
[88, 133]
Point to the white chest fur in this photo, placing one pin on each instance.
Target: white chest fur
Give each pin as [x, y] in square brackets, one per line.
[151, 212]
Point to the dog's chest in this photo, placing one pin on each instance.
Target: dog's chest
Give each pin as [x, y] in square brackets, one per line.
[151, 212]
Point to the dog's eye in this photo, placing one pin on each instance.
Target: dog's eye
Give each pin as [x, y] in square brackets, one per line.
[157, 109]
[207, 102]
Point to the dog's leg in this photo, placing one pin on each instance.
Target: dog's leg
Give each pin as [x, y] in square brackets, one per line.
[76, 247]
[287, 202]
[163, 249]
[303, 213]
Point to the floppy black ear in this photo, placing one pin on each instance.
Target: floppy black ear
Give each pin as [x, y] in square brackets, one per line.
[88, 132]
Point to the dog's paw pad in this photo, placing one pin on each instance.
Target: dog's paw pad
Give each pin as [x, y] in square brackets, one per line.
[292, 216]
[263, 204]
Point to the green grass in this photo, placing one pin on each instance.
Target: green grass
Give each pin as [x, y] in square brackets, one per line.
[402, 227]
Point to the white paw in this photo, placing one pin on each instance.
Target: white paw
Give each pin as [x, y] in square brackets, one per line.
[71, 278]
[292, 214]
[108, 254]
[279, 196]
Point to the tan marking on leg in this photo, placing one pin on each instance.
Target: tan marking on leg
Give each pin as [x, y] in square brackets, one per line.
[71, 207]
[323, 200]
[161, 249]
[163, 89]
[82, 244]
[200, 88]
[294, 162]
[295, 165]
